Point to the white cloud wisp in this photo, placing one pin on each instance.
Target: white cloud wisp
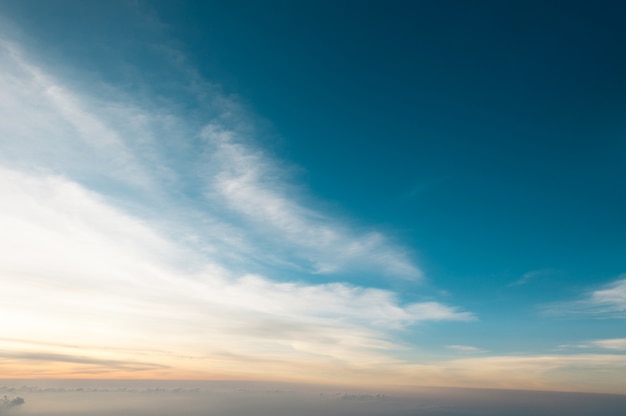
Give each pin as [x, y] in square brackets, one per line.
[608, 301]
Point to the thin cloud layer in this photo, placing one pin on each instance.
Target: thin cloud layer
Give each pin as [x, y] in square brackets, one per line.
[597, 372]
[239, 194]
[615, 344]
[465, 349]
[119, 284]
[278, 399]
[252, 186]
[611, 298]
[141, 263]
[618, 344]
[608, 301]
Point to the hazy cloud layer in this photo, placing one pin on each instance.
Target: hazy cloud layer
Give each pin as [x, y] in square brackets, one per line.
[465, 349]
[250, 185]
[118, 283]
[236, 398]
[117, 257]
[225, 186]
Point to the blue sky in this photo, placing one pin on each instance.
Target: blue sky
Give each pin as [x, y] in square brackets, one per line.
[430, 193]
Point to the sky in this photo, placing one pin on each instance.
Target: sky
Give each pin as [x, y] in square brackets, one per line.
[397, 194]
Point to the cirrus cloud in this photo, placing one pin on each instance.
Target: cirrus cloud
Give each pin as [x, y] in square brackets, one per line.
[128, 233]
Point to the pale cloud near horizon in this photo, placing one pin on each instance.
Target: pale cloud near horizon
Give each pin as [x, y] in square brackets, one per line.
[76, 268]
[156, 398]
[570, 372]
[465, 349]
[618, 344]
[115, 246]
[208, 322]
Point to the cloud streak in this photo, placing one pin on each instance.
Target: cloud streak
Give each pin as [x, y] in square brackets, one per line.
[615, 344]
[618, 344]
[564, 372]
[534, 275]
[608, 301]
[118, 283]
[92, 362]
[465, 349]
[241, 188]
[251, 186]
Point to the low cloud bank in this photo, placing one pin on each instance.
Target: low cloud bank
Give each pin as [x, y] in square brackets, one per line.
[164, 398]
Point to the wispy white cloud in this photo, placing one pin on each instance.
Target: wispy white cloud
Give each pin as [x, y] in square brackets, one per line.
[46, 124]
[565, 347]
[617, 344]
[72, 265]
[534, 275]
[223, 178]
[608, 301]
[122, 224]
[252, 186]
[611, 298]
[466, 349]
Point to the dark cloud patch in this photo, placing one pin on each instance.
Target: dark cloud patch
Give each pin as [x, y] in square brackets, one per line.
[8, 403]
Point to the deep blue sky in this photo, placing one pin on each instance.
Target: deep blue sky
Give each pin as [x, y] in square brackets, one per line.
[489, 135]
[483, 139]
[477, 131]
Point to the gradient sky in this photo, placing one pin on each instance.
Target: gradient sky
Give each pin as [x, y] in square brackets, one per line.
[398, 193]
